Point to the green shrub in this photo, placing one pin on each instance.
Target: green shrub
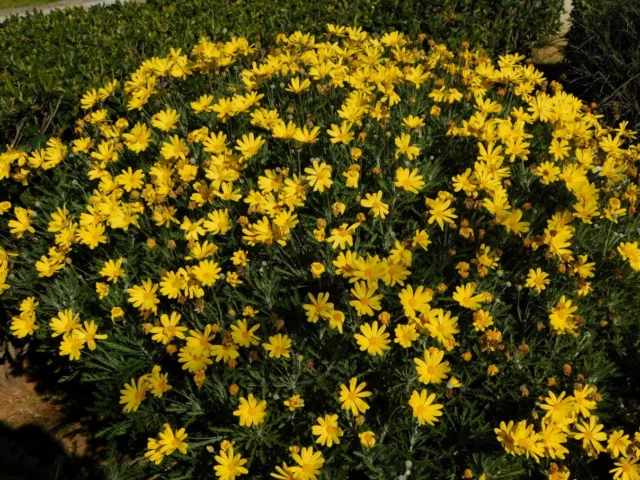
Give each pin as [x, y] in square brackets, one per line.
[49, 61]
[464, 184]
[603, 56]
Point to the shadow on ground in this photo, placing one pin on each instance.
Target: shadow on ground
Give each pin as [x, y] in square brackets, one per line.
[45, 433]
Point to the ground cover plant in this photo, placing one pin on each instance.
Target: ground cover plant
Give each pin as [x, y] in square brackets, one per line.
[355, 255]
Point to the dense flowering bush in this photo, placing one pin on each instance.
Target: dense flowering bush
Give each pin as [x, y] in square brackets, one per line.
[357, 257]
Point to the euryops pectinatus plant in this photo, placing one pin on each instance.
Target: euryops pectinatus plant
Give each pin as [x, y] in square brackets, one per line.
[361, 256]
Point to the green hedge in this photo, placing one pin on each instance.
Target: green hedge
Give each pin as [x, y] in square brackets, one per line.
[603, 56]
[48, 62]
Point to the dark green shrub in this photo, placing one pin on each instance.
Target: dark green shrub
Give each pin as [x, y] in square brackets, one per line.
[603, 55]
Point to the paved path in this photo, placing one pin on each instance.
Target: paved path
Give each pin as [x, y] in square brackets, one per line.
[553, 53]
[4, 14]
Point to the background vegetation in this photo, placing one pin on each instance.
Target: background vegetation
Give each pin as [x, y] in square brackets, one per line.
[603, 56]
[48, 62]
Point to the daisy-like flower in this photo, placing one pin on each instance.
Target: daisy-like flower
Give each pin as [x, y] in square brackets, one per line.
[424, 408]
[440, 212]
[318, 308]
[251, 411]
[112, 270]
[365, 301]
[342, 236]
[144, 297]
[249, 145]
[372, 339]
[351, 397]
[464, 295]
[165, 120]
[375, 203]
[243, 335]
[309, 464]
[278, 346]
[432, 369]
[591, 434]
[403, 142]
[230, 465]
[170, 441]
[627, 468]
[409, 180]
[319, 176]
[327, 430]
[133, 394]
[406, 335]
[537, 279]
[65, 322]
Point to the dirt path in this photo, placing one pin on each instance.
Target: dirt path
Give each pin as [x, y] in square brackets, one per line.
[4, 14]
[22, 405]
[554, 52]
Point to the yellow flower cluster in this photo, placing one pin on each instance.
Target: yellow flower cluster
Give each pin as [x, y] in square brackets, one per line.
[215, 198]
[75, 335]
[631, 252]
[569, 417]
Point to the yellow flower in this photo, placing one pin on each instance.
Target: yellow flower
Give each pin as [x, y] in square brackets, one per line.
[591, 434]
[278, 346]
[327, 430]
[351, 397]
[251, 411]
[424, 408]
[64, 323]
[112, 270]
[403, 142]
[116, 312]
[432, 369]
[318, 308]
[537, 279]
[421, 239]
[249, 145]
[365, 299]
[133, 394]
[295, 401]
[409, 180]
[372, 339]
[440, 212]
[367, 439]
[375, 203]
[23, 325]
[415, 301]
[309, 464]
[342, 236]
[144, 297]
[71, 345]
[627, 468]
[230, 465]
[165, 120]
[243, 335]
[464, 295]
[341, 133]
[89, 334]
[130, 180]
[317, 269]
[296, 86]
[22, 222]
[168, 328]
[158, 382]
[412, 122]
[406, 335]
[319, 176]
